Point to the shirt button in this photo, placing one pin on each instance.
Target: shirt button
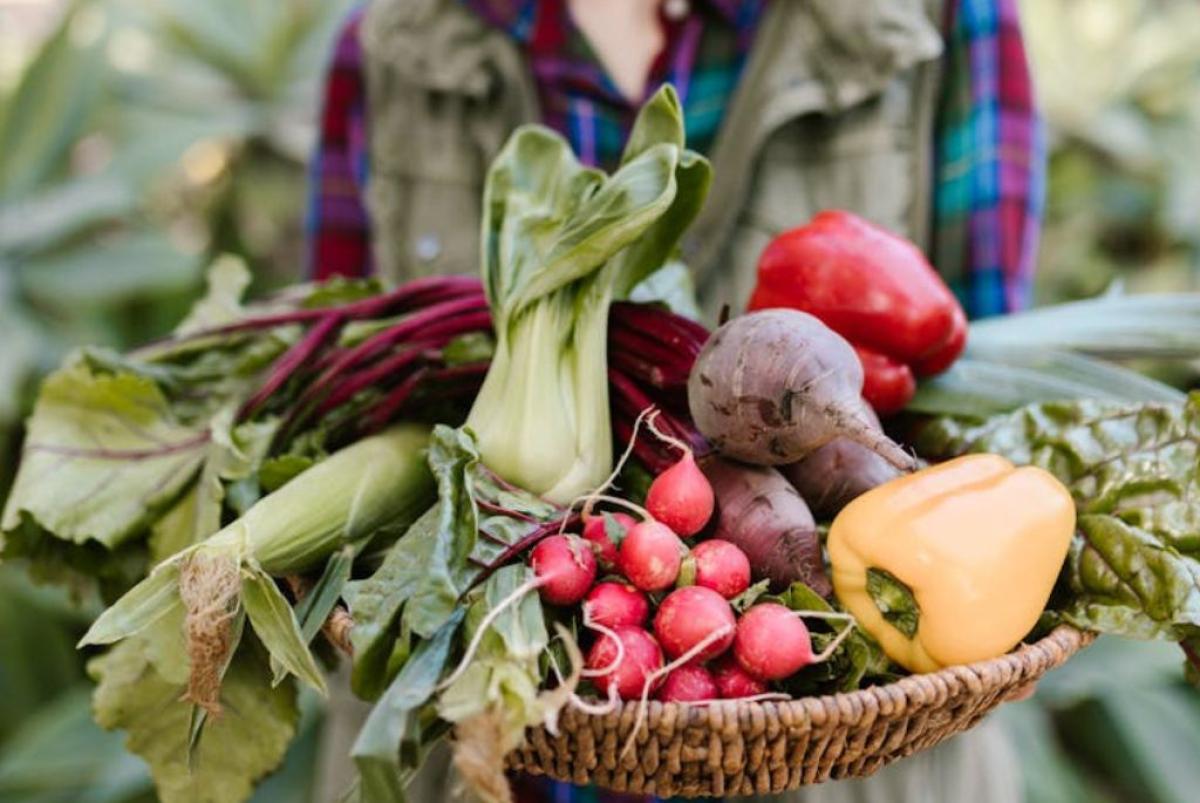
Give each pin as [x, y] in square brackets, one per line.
[428, 247]
[676, 9]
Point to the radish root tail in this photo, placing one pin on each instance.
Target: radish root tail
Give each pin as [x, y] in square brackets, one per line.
[504, 604]
[664, 437]
[611, 634]
[644, 702]
[590, 499]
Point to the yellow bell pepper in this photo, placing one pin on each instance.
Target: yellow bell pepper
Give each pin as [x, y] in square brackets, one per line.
[953, 563]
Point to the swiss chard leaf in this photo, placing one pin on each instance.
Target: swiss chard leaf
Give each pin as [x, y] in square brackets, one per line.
[1134, 471]
[425, 573]
[452, 455]
[394, 727]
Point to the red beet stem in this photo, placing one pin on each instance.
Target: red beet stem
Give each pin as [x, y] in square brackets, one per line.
[409, 296]
[290, 362]
[520, 546]
[382, 412]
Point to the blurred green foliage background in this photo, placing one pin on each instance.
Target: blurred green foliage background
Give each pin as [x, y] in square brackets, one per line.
[142, 140]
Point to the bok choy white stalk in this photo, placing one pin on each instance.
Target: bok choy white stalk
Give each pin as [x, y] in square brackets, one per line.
[560, 242]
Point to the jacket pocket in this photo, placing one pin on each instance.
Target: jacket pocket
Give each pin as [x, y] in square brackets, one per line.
[861, 160]
[424, 226]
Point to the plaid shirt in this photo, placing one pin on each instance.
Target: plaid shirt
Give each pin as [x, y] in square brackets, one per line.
[989, 149]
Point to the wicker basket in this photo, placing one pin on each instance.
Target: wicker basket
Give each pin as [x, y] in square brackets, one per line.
[736, 748]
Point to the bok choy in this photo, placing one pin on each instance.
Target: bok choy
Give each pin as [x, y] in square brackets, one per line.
[560, 243]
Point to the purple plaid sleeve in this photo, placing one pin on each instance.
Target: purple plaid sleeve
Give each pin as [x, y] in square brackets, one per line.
[990, 161]
[338, 227]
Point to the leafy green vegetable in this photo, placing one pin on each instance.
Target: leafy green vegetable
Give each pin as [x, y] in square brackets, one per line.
[274, 622]
[104, 454]
[894, 600]
[425, 573]
[561, 242]
[394, 727]
[742, 602]
[1134, 470]
[234, 750]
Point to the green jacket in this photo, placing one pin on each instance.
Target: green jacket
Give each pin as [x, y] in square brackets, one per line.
[835, 109]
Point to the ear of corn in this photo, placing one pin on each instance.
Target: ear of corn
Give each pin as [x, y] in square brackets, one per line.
[378, 483]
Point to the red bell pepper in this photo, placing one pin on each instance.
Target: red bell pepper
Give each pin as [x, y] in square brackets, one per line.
[873, 288]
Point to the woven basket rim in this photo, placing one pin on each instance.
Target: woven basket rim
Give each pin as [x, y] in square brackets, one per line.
[740, 747]
[1026, 663]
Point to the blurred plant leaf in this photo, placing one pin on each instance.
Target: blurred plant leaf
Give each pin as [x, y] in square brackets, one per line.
[60, 755]
[50, 109]
[1143, 740]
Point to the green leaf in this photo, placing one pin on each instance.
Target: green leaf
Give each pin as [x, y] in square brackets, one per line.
[104, 456]
[1143, 739]
[140, 266]
[894, 600]
[222, 303]
[277, 471]
[989, 382]
[315, 608]
[469, 348]
[1113, 325]
[236, 749]
[233, 454]
[394, 727]
[522, 626]
[48, 112]
[446, 571]
[742, 602]
[59, 754]
[341, 290]
[1122, 580]
[376, 603]
[1049, 774]
[152, 599]
[275, 624]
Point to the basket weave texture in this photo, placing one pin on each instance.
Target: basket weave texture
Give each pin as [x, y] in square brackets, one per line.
[732, 748]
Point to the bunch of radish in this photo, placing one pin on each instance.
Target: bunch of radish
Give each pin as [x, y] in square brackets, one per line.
[659, 610]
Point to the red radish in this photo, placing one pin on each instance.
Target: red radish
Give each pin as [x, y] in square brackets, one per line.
[688, 684]
[681, 497]
[565, 568]
[722, 567]
[689, 615]
[733, 681]
[599, 530]
[642, 656]
[772, 642]
[611, 604]
[650, 556]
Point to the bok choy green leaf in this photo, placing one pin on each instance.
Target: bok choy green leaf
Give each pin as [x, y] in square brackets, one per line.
[561, 242]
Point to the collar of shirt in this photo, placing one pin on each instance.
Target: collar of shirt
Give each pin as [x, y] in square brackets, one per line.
[521, 18]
